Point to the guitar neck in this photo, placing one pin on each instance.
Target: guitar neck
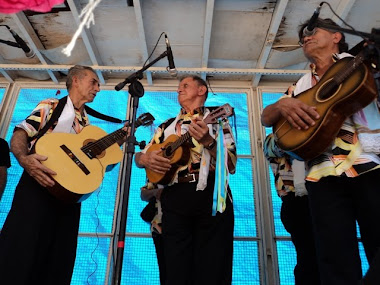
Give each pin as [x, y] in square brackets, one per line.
[182, 139]
[105, 142]
[351, 67]
[108, 140]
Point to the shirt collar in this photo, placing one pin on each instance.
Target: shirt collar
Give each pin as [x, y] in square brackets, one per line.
[199, 110]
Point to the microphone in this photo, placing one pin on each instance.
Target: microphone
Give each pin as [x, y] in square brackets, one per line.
[309, 30]
[28, 52]
[171, 68]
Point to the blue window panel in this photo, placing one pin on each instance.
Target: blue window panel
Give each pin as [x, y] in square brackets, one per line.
[2, 92]
[246, 269]
[140, 262]
[363, 257]
[242, 188]
[287, 259]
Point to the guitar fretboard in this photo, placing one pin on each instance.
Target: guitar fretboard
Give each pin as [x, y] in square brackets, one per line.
[351, 67]
[95, 148]
[182, 139]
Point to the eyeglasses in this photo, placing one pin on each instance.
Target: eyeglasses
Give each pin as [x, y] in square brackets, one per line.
[302, 39]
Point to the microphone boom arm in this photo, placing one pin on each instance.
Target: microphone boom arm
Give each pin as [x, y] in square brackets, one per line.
[139, 74]
[371, 36]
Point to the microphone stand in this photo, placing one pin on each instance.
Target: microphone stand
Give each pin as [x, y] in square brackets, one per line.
[136, 90]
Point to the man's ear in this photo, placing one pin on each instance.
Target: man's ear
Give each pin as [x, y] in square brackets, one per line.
[75, 80]
[202, 90]
[337, 37]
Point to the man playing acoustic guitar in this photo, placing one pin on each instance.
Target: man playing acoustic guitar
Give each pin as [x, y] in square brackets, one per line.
[342, 181]
[39, 239]
[197, 223]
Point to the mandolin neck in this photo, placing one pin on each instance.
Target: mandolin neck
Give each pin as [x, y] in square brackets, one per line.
[350, 68]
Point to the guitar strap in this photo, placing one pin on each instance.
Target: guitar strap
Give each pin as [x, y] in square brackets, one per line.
[58, 111]
[101, 116]
[54, 117]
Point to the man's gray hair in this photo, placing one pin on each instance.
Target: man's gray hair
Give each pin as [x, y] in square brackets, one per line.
[198, 79]
[76, 70]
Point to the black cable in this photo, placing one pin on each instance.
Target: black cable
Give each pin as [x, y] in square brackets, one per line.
[154, 48]
[209, 85]
[96, 232]
[343, 21]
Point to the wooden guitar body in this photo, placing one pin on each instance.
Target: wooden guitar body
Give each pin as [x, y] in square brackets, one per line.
[75, 170]
[178, 158]
[334, 103]
[80, 160]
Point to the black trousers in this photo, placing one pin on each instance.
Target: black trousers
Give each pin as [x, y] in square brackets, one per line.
[296, 218]
[39, 238]
[198, 247]
[337, 203]
[159, 246]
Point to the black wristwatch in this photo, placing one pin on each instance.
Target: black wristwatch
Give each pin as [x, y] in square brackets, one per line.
[211, 145]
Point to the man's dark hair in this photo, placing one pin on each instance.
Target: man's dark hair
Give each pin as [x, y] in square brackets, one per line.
[76, 70]
[199, 80]
[343, 46]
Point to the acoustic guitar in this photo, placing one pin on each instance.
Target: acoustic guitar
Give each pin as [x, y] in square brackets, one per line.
[346, 87]
[80, 160]
[174, 149]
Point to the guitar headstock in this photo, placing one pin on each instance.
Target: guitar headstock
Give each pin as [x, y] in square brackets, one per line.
[222, 112]
[145, 119]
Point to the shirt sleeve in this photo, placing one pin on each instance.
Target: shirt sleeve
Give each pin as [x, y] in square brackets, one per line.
[280, 165]
[271, 150]
[38, 118]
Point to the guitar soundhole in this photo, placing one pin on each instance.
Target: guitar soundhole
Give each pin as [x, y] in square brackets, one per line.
[168, 151]
[91, 149]
[328, 90]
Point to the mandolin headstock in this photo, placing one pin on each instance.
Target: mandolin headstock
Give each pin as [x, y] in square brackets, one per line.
[222, 112]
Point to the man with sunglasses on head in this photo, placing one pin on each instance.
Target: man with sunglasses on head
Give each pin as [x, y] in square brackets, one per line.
[342, 181]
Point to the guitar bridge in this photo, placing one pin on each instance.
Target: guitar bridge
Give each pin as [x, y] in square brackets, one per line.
[75, 159]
